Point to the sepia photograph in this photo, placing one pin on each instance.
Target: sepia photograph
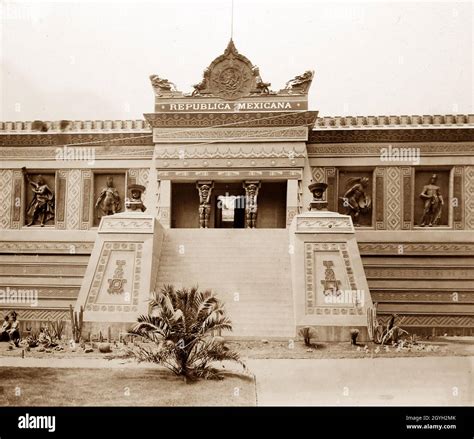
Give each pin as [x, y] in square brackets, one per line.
[237, 204]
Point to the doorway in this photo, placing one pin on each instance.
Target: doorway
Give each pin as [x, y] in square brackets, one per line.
[230, 212]
[229, 206]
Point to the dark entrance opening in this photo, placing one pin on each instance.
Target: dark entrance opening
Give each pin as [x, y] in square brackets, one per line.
[230, 212]
[228, 205]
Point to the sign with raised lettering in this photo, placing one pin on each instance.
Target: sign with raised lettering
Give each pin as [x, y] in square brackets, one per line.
[231, 107]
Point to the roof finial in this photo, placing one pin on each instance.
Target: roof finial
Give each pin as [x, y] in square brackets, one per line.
[232, 20]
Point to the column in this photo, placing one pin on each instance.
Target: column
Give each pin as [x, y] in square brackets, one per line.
[164, 204]
[291, 201]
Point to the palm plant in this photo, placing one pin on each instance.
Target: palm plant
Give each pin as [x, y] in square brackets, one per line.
[181, 326]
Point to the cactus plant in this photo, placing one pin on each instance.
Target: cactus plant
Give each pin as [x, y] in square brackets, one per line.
[76, 323]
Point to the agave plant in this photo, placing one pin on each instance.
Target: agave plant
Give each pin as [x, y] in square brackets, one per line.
[182, 327]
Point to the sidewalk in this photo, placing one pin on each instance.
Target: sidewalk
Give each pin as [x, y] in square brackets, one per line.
[440, 381]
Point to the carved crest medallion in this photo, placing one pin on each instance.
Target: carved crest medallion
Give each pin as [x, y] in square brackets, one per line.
[230, 76]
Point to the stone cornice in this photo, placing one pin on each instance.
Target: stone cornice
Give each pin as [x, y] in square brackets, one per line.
[326, 123]
[388, 122]
[77, 126]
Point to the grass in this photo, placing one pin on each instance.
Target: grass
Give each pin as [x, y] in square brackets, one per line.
[118, 387]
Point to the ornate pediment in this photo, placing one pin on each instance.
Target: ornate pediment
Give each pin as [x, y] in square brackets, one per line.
[232, 84]
[231, 76]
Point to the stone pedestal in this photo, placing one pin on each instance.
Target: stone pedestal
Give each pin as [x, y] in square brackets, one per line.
[122, 270]
[330, 289]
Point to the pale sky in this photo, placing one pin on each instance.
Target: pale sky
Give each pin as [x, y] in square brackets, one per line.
[91, 60]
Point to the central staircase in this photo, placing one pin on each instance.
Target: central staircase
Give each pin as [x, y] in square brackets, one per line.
[248, 269]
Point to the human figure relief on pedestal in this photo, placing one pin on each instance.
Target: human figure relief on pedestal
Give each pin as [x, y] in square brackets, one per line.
[356, 199]
[251, 208]
[41, 207]
[432, 203]
[108, 201]
[205, 190]
[331, 286]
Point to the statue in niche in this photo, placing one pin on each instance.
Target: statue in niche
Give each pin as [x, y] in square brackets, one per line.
[108, 201]
[433, 203]
[260, 86]
[134, 202]
[251, 193]
[300, 83]
[161, 85]
[42, 205]
[355, 199]
[205, 190]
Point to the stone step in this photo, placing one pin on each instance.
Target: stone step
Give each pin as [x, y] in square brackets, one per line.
[254, 264]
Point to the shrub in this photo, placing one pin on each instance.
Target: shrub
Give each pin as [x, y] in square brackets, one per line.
[307, 333]
[354, 334]
[181, 327]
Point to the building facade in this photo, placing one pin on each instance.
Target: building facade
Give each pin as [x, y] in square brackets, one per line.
[231, 163]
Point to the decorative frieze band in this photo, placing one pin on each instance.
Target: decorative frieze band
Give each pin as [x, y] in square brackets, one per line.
[72, 247]
[231, 173]
[414, 248]
[237, 134]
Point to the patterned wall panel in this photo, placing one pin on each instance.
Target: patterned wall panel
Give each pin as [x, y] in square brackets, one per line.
[327, 175]
[73, 199]
[16, 199]
[458, 197]
[331, 180]
[393, 197]
[469, 197]
[6, 176]
[379, 174]
[61, 188]
[430, 321]
[132, 176]
[407, 188]
[318, 174]
[86, 199]
[143, 176]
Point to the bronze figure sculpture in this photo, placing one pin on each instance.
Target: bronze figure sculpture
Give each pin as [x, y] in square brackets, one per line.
[355, 199]
[108, 201]
[204, 190]
[433, 203]
[251, 193]
[42, 205]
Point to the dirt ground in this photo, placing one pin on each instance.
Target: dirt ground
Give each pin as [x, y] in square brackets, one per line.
[261, 349]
